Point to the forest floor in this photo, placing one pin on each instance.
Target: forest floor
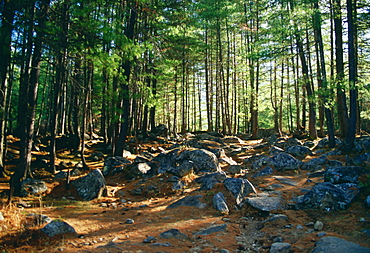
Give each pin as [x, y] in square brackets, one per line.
[100, 224]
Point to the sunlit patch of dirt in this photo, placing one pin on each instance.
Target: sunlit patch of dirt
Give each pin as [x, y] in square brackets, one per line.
[101, 224]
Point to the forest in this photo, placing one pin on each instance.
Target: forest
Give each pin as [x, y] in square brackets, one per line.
[118, 69]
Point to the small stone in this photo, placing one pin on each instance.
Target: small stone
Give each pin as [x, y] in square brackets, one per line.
[321, 234]
[362, 219]
[129, 221]
[280, 247]
[299, 226]
[318, 225]
[1, 216]
[149, 239]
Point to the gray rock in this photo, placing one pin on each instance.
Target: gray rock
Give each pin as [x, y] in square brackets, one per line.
[280, 247]
[212, 230]
[260, 162]
[114, 165]
[284, 161]
[360, 159]
[309, 144]
[349, 174]
[166, 160]
[235, 169]
[140, 170]
[275, 217]
[179, 185]
[265, 204]
[174, 233]
[329, 197]
[129, 221]
[263, 172]
[188, 201]
[149, 239]
[185, 168]
[208, 181]
[31, 186]
[57, 227]
[321, 234]
[325, 142]
[239, 188]
[90, 186]
[330, 244]
[365, 143]
[298, 151]
[204, 160]
[275, 150]
[219, 203]
[318, 225]
[1, 216]
[313, 163]
[367, 201]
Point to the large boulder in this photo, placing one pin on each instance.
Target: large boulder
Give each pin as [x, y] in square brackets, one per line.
[329, 197]
[204, 160]
[349, 174]
[114, 165]
[239, 188]
[298, 151]
[362, 159]
[31, 186]
[140, 170]
[284, 161]
[57, 227]
[265, 204]
[219, 203]
[90, 186]
[331, 244]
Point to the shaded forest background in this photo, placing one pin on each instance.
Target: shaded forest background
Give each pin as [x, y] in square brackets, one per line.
[121, 68]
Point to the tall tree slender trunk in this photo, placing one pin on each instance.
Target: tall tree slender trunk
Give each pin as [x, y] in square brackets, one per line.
[126, 66]
[352, 127]
[24, 167]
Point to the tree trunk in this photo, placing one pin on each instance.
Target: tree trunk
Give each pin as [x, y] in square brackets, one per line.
[126, 66]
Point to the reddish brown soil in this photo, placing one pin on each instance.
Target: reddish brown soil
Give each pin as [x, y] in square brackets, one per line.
[100, 224]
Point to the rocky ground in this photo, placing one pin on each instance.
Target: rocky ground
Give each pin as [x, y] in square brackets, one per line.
[196, 193]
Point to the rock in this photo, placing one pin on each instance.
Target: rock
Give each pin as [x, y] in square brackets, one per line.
[204, 160]
[31, 186]
[263, 172]
[208, 181]
[260, 162]
[114, 165]
[179, 185]
[265, 204]
[329, 197]
[325, 142]
[367, 201]
[166, 160]
[129, 221]
[360, 159]
[149, 239]
[298, 151]
[90, 186]
[219, 203]
[315, 162]
[349, 174]
[280, 247]
[321, 234]
[239, 188]
[309, 144]
[365, 143]
[1, 216]
[140, 170]
[284, 161]
[174, 233]
[235, 169]
[189, 201]
[232, 139]
[212, 230]
[57, 227]
[331, 244]
[185, 168]
[275, 150]
[318, 225]
[275, 217]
